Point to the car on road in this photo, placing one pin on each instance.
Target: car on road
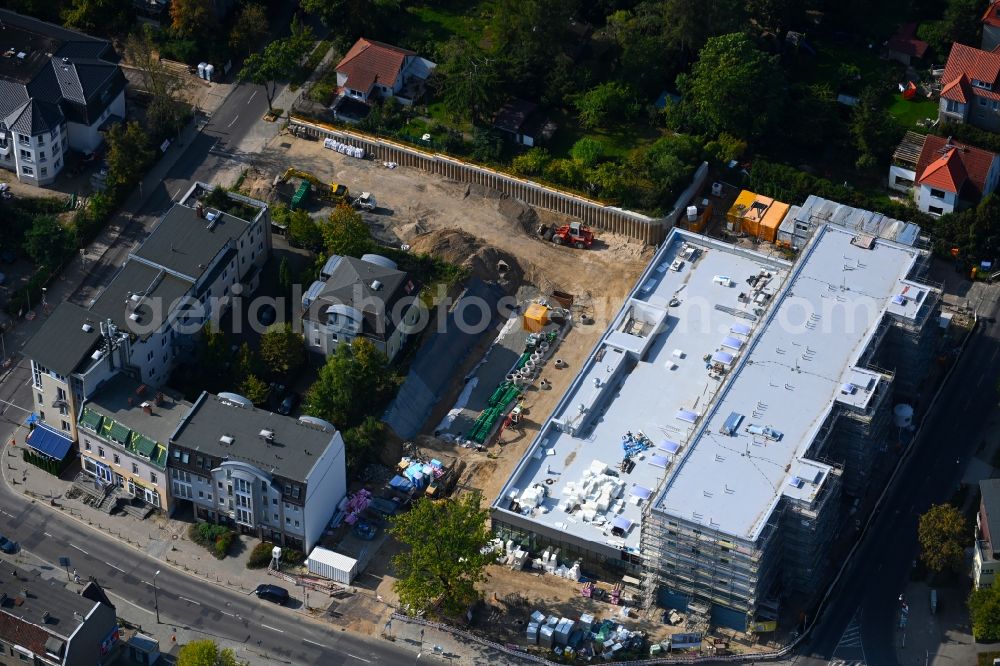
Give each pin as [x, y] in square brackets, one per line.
[8, 546]
[289, 403]
[273, 593]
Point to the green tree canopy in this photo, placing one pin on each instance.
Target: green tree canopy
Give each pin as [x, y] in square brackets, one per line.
[100, 17]
[206, 653]
[250, 28]
[984, 610]
[875, 132]
[350, 18]
[355, 381]
[345, 232]
[531, 163]
[191, 19]
[128, 154]
[278, 61]
[363, 444]
[303, 230]
[733, 87]
[587, 151]
[164, 114]
[254, 389]
[282, 349]
[47, 242]
[467, 79]
[942, 533]
[606, 104]
[442, 561]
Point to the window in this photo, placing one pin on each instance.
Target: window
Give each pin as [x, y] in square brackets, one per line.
[288, 521]
[177, 454]
[220, 485]
[295, 491]
[86, 445]
[100, 451]
[296, 523]
[26, 140]
[976, 83]
[935, 210]
[41, 414]
[45, 171]
[41, 399]
[135, 468]
[27, 171]
[263, 486]
[184, 458]
[937, 194]
[152, 477]
[42, 157]
[274, 501]
[982, 102]
[275, 517]
[149, 356]
[58, 163]
[118, 461]
[25, 155]
[201, 494]
[41, 140]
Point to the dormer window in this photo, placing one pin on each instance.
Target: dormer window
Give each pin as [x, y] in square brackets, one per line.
[976, 83]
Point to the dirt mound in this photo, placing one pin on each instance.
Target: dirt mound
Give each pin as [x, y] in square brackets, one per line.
[463, 249]
[519, 213]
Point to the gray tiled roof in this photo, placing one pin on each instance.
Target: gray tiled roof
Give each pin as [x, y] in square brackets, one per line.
[292, 454]
[61, 343]
[350, 284]
[34, 117]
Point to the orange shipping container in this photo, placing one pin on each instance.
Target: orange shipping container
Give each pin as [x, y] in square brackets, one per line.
[535, 318]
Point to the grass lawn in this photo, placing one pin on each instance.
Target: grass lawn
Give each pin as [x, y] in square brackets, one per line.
[618, 141]
[465, 20]
[908, 112]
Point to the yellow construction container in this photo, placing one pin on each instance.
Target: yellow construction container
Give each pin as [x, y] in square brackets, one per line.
[535, 318]
[739, 208]
[757, 216]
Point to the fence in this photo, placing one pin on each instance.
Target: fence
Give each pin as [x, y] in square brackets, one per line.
[640, 227]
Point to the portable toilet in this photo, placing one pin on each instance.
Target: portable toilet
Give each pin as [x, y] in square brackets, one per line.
[209, 71]
[535, 318]
[201, 70]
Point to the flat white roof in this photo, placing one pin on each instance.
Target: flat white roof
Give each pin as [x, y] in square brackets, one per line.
[668, 345]
[786, 383]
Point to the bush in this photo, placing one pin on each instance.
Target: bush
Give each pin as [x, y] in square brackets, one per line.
[184, 50]
[216, 538]
[322, 92]
[260, 556]
[222, 545]
[292, 556]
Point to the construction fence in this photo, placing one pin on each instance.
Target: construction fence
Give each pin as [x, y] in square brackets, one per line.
[640, 227]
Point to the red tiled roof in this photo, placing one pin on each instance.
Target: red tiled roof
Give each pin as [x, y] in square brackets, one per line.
[992, 15]
[18, 632]
[952, 166]
[368, 62]
[905, 41]
[973, 64]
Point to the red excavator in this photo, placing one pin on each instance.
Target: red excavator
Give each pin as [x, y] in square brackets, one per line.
[574, 234]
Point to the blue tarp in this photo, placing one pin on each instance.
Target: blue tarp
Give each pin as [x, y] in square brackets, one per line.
[400, 482]
[49, 442]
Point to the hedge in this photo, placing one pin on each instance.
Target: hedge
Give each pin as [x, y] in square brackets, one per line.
[260, 556]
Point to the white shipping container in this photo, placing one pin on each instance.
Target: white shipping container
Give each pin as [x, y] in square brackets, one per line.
[335, 566]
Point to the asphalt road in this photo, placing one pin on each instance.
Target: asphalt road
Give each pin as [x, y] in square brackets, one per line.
[184, 601]
[867, 601]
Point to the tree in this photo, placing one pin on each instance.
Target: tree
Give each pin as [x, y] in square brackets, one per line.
[165, 114]
[278, 61]
[467, 80]
[587, 151]
[284, 276]
[47, 242]
[249, 29]
[942, 533]
[345, 232]
[206, 653]
[726, 148]
[363, 443]
[875, 132]
[352, 17]
[984, 610]
[730, 68]
[778, 15]
[128, 154]
[100, 17]
[303, 231]
[355, 381]
[443, 558]
[531, 163]
[254, 389]
[487, 146]
[608, 180]
[247, 363]
[282, 349]
[191, 19]
[606, 104]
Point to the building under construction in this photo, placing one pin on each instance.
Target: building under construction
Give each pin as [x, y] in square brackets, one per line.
[710, 443]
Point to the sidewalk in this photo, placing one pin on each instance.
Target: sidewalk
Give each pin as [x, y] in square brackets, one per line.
[943, 638]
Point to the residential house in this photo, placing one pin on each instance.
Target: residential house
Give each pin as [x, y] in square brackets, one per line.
[372, 70]
[45, 624]
[986, 555]
[367, 297]
[272, 476]
[904, 46]
[942, 174]
[991, 26]
[970, 90]
[183, 273]
[522, 122]
[125, 432]
[58, 89]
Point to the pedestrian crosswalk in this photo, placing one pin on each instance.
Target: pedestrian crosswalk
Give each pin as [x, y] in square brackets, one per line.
[849, 650]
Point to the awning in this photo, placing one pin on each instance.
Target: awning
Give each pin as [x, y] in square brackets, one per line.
[49, 442]
[670, 446]
[731, 342]
[641, 492]
[622, 523]
[656, 460]
[722, 357]
[740, 329]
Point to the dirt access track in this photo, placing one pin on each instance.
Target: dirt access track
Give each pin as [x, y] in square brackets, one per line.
[425, 210]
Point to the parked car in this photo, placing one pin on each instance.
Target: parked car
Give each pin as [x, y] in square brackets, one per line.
[289, 403]
[273, 593]
[267, 315]
[8, 546]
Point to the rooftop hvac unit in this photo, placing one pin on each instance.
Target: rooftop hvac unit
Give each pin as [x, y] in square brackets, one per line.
[716, 189]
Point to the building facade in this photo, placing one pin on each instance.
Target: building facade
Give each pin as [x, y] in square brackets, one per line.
[275, 477]
[986, 554]
[58, 90]
[970, 88]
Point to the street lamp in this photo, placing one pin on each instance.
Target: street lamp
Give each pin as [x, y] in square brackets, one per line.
[156, 605]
